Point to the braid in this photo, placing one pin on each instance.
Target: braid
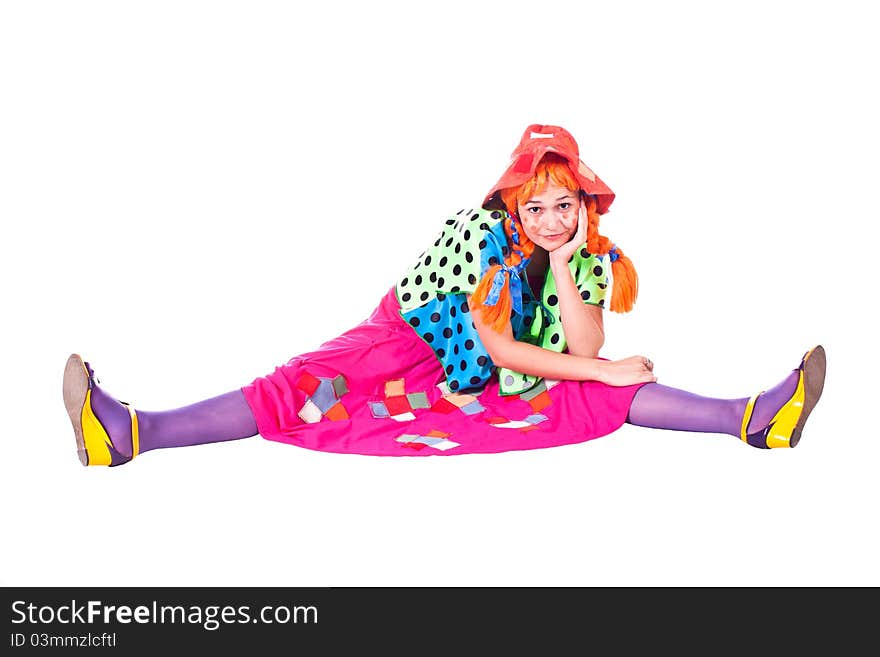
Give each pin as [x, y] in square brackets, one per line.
[626, 281]
[498, 315]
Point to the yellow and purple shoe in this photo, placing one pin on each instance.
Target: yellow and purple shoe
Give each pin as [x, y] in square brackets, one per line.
[93, 444]
[785, 429]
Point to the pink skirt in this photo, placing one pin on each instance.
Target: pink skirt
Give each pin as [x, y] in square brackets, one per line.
[378, 389]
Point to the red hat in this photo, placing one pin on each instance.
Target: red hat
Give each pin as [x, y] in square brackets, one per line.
[540, 139]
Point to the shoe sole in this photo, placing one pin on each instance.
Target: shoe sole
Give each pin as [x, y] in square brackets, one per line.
[76, 385]
[814, 382]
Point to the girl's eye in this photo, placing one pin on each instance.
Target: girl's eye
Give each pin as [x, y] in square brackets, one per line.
[534, 207]
[567, 206]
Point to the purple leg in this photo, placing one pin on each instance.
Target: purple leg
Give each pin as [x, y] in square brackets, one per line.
[225, 417]
[662, 407]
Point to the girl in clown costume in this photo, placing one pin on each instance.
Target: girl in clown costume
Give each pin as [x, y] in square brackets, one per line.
[489, 341]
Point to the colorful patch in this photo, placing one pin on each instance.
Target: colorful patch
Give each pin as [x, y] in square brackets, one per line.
[434, 439]
[398, 405]
[467, 403]
[538, 397]
[323, 397]
[528, 424]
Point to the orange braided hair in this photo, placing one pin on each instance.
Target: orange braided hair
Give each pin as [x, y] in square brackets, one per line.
[551, 167]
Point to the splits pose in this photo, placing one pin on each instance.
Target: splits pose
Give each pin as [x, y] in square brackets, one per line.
[489, 341]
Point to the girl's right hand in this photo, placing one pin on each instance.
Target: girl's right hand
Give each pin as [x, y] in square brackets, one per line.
[626, 372]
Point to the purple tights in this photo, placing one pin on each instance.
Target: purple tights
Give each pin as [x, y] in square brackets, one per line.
[661, 407]
[228, 416]
[225, 417]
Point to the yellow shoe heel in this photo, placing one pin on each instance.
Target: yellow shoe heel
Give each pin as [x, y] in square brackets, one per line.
[785, 429]
[94, 446]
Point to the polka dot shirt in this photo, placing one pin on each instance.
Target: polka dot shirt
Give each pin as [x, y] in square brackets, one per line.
[432, 295]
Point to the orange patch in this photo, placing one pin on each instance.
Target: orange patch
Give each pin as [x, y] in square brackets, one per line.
[540, 402]
[394, 388]
[337, 412]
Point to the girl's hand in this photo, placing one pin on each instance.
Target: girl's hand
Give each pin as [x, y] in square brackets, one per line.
[564, 252]
[626, 372]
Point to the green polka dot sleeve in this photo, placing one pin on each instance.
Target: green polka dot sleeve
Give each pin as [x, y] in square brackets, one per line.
[453, 264]
[591, 277]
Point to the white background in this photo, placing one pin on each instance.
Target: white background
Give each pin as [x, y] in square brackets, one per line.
[176, 179]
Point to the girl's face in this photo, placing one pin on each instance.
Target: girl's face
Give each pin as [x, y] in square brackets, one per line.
[550, 218]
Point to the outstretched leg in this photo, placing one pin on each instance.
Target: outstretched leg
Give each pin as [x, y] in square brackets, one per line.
[221, 418]
[662, 407]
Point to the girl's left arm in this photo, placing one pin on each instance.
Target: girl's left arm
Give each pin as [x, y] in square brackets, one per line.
[581, 322]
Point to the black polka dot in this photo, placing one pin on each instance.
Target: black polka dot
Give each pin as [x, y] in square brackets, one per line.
[449, 241]
[554, 338]
[496, 214]
[404, 282]
[469, 256]
[546, 321]
[456, 270]
[433, 276]
[601, 286]
[552, 300]
[458, 248]
[508, 380]
[447, 332]
[429, 337]
[475, 217]
[585, 295]
[441, 297]
[458, 328]
[482, 244]
[475, 380]
[440, 281]
[467, 234]
[418, 280]
[485, 226]
[437, 243]
[455, 289]
[570, 258]
[428, 260]
[449, 222]
[435, 317]
[452, 311]
[597, 270]
[528, 319]
[468, 344]
[585, 253]
[601, 302]
[443, 261]
[424, 296]
[493, 261]
[449, 369]
[482, 360]
[406, 296]
[464, 307]
[455, 349]
[418, 264]
[472, 279]
[463, 365]
[504, 251]
[414, 321]
[453, 385]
